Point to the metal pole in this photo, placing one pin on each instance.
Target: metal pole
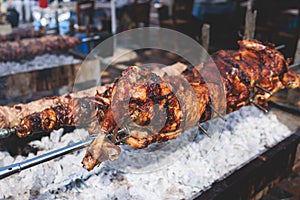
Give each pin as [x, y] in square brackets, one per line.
[18, 167]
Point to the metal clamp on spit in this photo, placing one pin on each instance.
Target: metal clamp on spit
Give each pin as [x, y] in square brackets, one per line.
[4, 133]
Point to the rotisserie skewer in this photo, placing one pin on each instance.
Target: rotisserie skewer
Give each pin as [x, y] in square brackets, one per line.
[14, 50]
[18, 167]
[249, 76]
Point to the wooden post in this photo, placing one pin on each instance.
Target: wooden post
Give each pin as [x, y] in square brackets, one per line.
[205, 41]
[0, 11]
[297, 52]
[2, 20]
[57, 23]
[205, 36]
[250, 24]
[88, 22]
[250, 21]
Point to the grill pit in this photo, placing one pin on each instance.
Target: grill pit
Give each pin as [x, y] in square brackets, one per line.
[180, 169]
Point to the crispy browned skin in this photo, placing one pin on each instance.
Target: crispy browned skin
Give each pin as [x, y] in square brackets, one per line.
[161, 101]
[35, 46]
[74, 112]
[77, 112]
[144, 102]
[158, 108]
[254, 64]
[11, 116]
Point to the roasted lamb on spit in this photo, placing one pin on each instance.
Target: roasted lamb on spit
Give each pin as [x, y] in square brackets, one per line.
[20, 33]
[158, 108]
[35, 46]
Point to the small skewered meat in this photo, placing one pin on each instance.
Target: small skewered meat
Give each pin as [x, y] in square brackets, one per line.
[35, 46]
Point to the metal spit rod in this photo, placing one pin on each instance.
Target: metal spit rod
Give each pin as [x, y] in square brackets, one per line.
[18, 167]
[282, 46]
[294, 65]
[96, 37]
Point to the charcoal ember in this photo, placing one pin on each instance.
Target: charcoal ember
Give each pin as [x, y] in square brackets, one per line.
[56, 135]
[246, 133]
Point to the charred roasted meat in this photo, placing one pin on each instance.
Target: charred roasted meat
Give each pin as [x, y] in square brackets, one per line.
[71, 114]
[252, 71]
[35, 46]
[158, 108]
[20, 33]
[10, 116]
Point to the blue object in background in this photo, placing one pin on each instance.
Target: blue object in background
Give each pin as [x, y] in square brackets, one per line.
[201, 9]
[83, 47]
[64, 27]
[64, 24]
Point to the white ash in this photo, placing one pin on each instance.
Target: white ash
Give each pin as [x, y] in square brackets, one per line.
[37, 63]
[178, 170]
